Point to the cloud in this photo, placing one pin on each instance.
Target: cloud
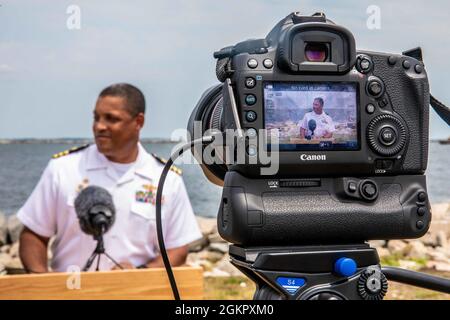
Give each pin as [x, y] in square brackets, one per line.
[166, 47]
[5, 68]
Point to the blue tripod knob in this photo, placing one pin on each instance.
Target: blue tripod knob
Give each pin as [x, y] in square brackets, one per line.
[345, 267]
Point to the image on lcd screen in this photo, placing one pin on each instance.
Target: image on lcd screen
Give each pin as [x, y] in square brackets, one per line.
[312, 115]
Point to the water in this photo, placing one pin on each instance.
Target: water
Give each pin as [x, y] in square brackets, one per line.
[22, 164]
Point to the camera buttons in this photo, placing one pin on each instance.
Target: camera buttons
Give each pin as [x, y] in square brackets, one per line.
[385, 164]
[370, 108]
[422, 196]
[383, 103]
[251, 133]
[392, 60]
[268, 63]
[252, 150]
[250, 116]
[406, 64]
[387, 136]
[252, 63]
[250, 99]
[375, 87]
[418, 68]
[352, 186]
[420, 224]
[250, 82]
[364, 64]
[421, 211]
[369, 190]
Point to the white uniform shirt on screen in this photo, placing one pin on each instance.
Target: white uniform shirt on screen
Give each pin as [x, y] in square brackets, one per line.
[323, 123]
[49, 211]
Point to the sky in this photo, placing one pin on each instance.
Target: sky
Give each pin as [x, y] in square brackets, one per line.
[50, 75]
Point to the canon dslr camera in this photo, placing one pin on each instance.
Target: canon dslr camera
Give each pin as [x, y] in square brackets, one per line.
[352, 138]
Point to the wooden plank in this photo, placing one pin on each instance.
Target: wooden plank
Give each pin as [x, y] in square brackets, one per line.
[134, 284]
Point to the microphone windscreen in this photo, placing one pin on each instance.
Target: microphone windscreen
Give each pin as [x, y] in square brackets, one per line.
[88, 201]
[312, 124]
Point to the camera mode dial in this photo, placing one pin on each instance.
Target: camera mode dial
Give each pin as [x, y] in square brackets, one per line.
[386, 135]
[364, 63]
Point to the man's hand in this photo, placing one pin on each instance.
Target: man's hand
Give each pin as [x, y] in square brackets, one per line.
[177, 257]
[33, 251]
[302, 133]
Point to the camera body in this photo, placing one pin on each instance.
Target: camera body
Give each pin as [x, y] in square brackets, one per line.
[352, 138]
[376, 102]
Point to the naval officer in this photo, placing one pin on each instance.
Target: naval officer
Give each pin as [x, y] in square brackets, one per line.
[317, 123]
[118, 163]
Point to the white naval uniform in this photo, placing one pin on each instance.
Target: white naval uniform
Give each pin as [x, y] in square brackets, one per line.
[49, 211]
[323, 123]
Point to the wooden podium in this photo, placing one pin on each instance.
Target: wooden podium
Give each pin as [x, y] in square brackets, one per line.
[136, 284]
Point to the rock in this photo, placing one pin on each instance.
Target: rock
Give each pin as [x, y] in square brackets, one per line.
[383, 252]
[14, 266]
[408, 264]
[214, 256]
[438, 256]
[192, 258]
[441, 239]
[442, 250]
[216, 273]
[416, 250]
[220, 247]
[225, 265]
[377, 243]
[5, 259]
[429, 239]
[195, 260]
[215, 238]
[14, 228]
[14, 250]
[3, 229]
[5, 248]
[441, 211]
[440, 225]
[199, 244]
[396, 247]
[438, 266]
[207, 225]
[211, 256]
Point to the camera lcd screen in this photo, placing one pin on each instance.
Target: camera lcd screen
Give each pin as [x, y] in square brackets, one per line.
[309, 116]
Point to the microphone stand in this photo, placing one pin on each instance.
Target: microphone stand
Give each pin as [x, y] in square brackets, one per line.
[99, 250]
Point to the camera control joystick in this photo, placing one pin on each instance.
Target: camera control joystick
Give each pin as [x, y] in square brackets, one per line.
[375, 87]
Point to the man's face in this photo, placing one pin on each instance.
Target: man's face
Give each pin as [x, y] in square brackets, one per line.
[115, 129]
[317, 107]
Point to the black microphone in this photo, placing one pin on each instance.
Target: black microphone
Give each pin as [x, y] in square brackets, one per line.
[312, 125]
[95, 210]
